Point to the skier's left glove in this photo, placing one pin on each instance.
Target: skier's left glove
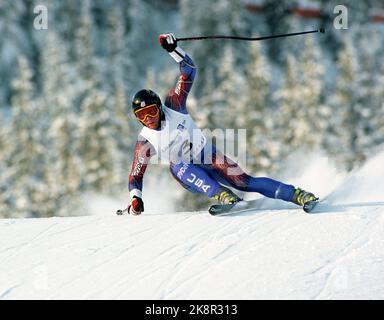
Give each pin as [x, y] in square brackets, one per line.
[136, 207]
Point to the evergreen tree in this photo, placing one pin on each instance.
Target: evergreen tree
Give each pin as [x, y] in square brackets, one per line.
[255, 113]
[96, 134]
[142, 40]
[207, 109]
[302, 118]
[63, 168]
[13, 43]
[5, 195]
[5, 172]
[26, 151]
[347, 121]
[64, 16]
[229, 93]
[5, 134]
[89, 66]
[370, 89]
[24, 121]
[84, 45]
[331, 40]
[313, 111]
[278, 19]
[226, 17]
[377, 117]
[97, 145]
[121, 111]
[59, 88]
[290, 128]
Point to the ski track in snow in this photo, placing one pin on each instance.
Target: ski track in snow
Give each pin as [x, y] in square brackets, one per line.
[272, 253]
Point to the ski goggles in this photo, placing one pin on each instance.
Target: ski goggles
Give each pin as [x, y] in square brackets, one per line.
[151, 111]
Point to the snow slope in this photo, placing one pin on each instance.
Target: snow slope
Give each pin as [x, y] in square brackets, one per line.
[276, 252]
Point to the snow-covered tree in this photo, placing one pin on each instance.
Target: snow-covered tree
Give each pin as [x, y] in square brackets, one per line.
[255, 113]
[26, 152]
[90, 67]
[84, 43]
[96, 143]
[63, 167]
[346, 121]
[13, 43]
[207, 110]
[301, 117]
[25, 114]
[228, 96]
[118, 61]
[314, 112]
[142, 40]
[120, 106]
[6, 199]
[290, 127]
[225, 17]
[369, 50]
[5, 135]
[359, 67]
[377, 118]
[331, 40]
[59, 88]
[279, 20]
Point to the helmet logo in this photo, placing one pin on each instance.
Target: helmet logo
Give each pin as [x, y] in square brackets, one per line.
[142, 104]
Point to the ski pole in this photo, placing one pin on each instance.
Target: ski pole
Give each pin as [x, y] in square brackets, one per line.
[321, 30]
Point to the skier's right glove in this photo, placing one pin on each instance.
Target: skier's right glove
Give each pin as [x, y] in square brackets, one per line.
[168, 41]
[136, 207]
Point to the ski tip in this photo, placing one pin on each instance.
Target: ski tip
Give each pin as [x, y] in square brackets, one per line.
[309, 206]
[218, 209]
[215, 209]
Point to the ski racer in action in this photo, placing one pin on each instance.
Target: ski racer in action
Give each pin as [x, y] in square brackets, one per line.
[170, 133]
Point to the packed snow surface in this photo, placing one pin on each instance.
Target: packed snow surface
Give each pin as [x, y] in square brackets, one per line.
[276, 252]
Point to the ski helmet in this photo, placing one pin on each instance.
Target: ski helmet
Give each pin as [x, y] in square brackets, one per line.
[144, 98]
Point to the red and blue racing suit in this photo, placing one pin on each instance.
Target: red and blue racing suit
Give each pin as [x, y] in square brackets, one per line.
[215, 174]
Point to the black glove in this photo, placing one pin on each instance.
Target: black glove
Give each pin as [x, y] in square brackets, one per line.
[168, 41]
[136, 207]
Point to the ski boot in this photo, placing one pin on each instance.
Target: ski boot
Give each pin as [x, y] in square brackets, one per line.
[302, 197]
[226, 196]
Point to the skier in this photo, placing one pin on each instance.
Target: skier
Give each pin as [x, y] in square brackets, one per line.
[196, 165]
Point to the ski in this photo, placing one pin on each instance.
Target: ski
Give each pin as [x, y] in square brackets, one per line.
[219, 209]
[227, 209]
